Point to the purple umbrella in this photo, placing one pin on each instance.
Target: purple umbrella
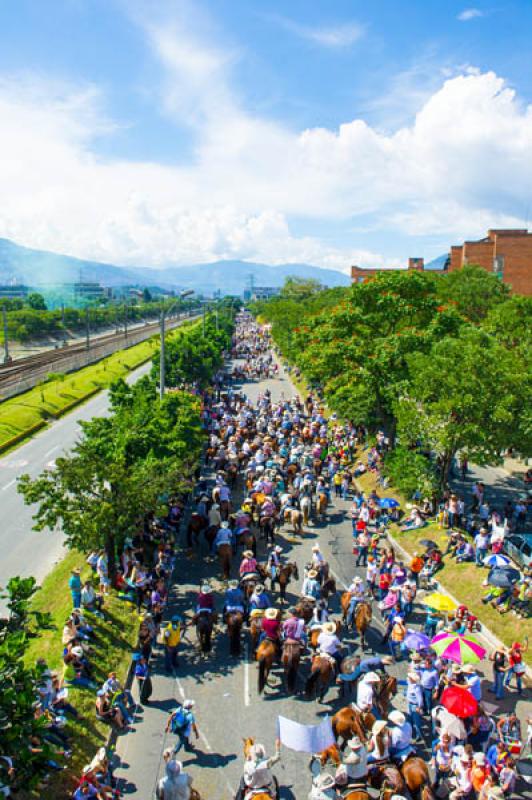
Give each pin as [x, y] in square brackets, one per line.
[415, 640]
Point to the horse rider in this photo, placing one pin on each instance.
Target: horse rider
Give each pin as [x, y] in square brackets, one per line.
[257, 772]
[234, 598]
[224, 535]
[353, 772]
[323, 788]
[318, 561]
[363, 666]
[205, 604]
[271, 627]
[357, 590]
[400, 736]
[293, 629]
[366, 694]
[259, 600]
[248, 565]
[274, 562]
[330, 644]
[320, 614]
[311, 587]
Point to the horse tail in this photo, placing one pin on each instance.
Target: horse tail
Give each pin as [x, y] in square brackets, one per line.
[311, 682]
[262, 674]
[291, 676]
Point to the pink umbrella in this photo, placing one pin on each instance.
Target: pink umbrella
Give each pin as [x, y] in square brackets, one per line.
[457, 647]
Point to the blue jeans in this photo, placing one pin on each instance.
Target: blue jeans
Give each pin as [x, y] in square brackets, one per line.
[415, 720]
[170, 658]
[427, 699]
[351, 612]
[498, 684]
[76, 599]
[396, 649]
[480, 556]
[518, 679]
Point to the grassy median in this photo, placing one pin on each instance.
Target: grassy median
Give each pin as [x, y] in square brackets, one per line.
[22, 415]
[116, 636]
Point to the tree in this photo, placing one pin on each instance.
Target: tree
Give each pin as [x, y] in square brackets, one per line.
[300, 288]
[473, 291]
[466, 394]
[146, 295]
[19, 684]
[36, 301]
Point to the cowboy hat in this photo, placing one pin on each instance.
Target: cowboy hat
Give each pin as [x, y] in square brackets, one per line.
[247, 554]
[378, 726]
[312, 573]
[215, 507]
[206, 589]
[357, 579]
[225, 524]
[233, 583]
[77, 651]
[469, 669]
[324, 781]
[76, 571]
[189, 704]
[278, 548]
[271, 613]
[413, 676]
[387, 660]
[315, 547]
[256, 613]
[397, 717]
[259, 588]
[479, 758]
[355, 743]
[329, 627]
[372, 677]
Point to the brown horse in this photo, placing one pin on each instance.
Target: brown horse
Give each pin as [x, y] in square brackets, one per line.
[386, 778]
[305, 610]
[321, 505]
[196, 524]
[248, 541]
[255, 627]
[283, 577]
[266, 795]
[204, 626]
[386, 689]
[295, 517]
[349, 722]
[290, 661]
[315, 635]
[321, 672]
[265, 656]
[417, 778]
[225, 552]
[234, 620]
[363, 615]
[328, 588]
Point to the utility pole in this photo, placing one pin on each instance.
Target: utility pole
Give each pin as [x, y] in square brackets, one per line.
[88, 332]
[162, 365]
[7, 358]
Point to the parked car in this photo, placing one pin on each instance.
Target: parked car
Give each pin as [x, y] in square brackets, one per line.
[519, 547]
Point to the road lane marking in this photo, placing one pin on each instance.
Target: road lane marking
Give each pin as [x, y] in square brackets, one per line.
[246, 677]
[8, 484]
[51, 450]
[180, 687]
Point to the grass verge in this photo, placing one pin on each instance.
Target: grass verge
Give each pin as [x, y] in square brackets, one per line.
[20, 416]
[116, 636]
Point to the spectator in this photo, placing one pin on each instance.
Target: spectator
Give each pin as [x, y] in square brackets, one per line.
[75, 587]
[498, 657]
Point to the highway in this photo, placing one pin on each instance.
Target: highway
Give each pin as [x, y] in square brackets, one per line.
[24, 551]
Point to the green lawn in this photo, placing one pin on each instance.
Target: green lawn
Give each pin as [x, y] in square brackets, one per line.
[116, 636]
[21, 415]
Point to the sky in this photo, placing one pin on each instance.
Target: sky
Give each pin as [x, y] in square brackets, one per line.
[331, 132]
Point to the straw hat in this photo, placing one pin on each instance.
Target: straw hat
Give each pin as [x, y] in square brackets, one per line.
[233, 584]
[256, 613]
[312, 573]
[378, 726]
[206, 589]
[372, 677]
[397, 717]
[271, 613]
[247, 554]
[469, 669]
[76, 571]
[315, 548]
[328, 627]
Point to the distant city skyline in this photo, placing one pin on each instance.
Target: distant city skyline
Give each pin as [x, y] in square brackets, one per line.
[168, 132]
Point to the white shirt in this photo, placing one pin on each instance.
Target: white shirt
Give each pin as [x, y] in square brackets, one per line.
[328, 643]
[364, 695]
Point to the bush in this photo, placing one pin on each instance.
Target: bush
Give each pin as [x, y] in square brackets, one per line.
[411, 472]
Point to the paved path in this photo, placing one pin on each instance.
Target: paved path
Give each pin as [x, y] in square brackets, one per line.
[225, 689]
[24, 551]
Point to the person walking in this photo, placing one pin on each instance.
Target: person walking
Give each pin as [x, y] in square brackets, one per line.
[171, 640]
[75, 587]
[498, 658]
[182, 722]
[414, 699]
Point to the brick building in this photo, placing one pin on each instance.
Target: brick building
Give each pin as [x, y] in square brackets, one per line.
[359, 274]
[506, 252]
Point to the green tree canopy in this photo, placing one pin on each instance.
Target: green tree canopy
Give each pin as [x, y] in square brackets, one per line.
[36, 301]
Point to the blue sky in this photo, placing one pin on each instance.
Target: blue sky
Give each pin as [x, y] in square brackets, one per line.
[331, 132]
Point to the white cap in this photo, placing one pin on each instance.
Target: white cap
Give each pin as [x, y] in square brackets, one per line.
[189, 704]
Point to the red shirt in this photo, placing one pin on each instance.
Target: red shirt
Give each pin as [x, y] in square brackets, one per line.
[205, 601]
[271, 628]
[361, 525]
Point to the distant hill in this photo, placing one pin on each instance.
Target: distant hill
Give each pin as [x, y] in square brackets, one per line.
[39, 267]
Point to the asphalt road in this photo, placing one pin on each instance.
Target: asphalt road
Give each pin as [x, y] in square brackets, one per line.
[25, 551]
[225, 689]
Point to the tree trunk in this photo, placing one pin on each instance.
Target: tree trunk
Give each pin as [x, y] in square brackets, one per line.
[111, 554]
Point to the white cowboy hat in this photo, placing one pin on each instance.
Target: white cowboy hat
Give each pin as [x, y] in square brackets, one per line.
[324, 781]
[469, 669]
[271, 613]
[247, 554]
[479, 758]
[399, 618]
[378, 726]
[372, 677]
[355, 743]
[258, 751]
[206, 589]
[315, 547]
[357, 579]
[233, 584]
[225, 524]
[278, 548]
[312, 573]
[77, 651]
[397, 717]
[329, 627]
[189, 704]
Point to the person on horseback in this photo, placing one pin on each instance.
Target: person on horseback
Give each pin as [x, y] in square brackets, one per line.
[248, 565]
[270, 627]
[311, 587]
[274, 562]
[400, 736]
[320, 614]
[259, 600]
[357, 590]
[205, 604]
[379, 744]
[234, 598]
[366, 693]
[323, 788]
[354, 768]
[330, 644]
[293, 629]
[224, 536]
[363, 666]
[258, 774]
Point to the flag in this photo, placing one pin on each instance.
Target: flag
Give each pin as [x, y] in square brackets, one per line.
[305, 738]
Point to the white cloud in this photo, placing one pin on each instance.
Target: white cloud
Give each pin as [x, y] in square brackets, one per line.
[462, 165]
[469, 14]
[334, 36]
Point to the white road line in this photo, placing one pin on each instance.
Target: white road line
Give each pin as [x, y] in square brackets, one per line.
[180, 687]
[246, 677]
[205, 741]
[51, 450]
[8, 484]
[338, 579]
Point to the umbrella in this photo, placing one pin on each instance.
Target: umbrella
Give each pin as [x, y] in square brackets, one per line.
[457, 647]
[389, 502]
[503, 577]
[429, 544]
[439, 602]
[415, 640]
[459, 701]
[496, 561]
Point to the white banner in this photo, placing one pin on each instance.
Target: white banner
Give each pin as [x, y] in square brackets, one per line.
[306, 738]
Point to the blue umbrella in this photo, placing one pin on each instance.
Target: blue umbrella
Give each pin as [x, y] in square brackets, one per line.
[415, 640]
[496, 560]
[389, 502]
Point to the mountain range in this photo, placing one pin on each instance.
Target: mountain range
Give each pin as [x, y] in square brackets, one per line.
[39, 267]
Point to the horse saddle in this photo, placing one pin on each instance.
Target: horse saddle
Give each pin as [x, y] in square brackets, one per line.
[291, 647]
[329, 657]
[251, 576]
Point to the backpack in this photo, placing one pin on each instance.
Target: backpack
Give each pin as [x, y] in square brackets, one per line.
[179, 720]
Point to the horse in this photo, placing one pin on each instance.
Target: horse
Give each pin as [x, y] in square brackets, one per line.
[305, 610]
[363, 615]
[261, 794]
[315, 635]
[295, 517]
[234, 620]
[387, 778]
[349, 722]
[255, 628]
[248, 541]
[267, 527]
[321, 672]
[204, 625]
[290, 660]
[265, 656]
[306, 507]
[321, 505]
[385, 691]
[196, 524]
[225, 552]
[417, 778]
[286, 571]
[328, 588]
